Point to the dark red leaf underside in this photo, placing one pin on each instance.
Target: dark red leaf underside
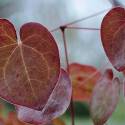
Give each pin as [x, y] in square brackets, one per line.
[112, 35]
[56, 105]
[105, 98]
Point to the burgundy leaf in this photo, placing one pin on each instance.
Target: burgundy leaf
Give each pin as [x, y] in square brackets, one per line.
[105, 98]
[56, 105]
[29, 69]
[113, 37]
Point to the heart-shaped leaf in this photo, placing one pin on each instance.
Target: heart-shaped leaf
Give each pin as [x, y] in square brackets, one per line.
[56, 105]
[105, 98]
[113, 37]
[29, 69]
[84, 78]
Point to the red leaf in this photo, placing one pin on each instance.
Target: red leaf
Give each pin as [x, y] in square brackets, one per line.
[56, 105]
[29, 69]
[105, 98]
[112, 35]
[84, 78]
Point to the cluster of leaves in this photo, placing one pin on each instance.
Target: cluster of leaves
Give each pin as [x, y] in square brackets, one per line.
[112, 35]
[100, 90]
[31, 65]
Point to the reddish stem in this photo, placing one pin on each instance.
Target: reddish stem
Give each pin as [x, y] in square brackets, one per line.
[67, 65]
[65, 47]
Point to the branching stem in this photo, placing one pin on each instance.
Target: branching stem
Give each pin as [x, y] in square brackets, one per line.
[67, 66]
[79, 20]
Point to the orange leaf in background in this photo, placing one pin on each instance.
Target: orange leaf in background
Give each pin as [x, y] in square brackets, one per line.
[84, 78]
[1, 121]
[58, 121]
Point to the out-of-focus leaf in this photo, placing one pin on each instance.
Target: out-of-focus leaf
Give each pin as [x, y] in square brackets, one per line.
[10, 119]
[105, 98]
[1, 109]
[84, 78]
[55, 106]
[13, 120]
[29, 69]
[1, 121]
[113, 37]
[58, 121]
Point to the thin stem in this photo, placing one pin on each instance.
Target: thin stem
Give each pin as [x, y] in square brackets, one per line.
[53, 30]
[67, 65]
[79, 20]
[85, 18]
[65, 47]
[83, 28]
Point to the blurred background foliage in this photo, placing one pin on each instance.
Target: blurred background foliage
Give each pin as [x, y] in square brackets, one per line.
[84, 46]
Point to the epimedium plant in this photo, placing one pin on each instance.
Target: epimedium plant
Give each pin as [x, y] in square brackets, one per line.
[31, 65]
